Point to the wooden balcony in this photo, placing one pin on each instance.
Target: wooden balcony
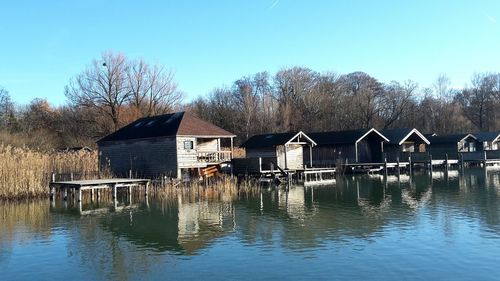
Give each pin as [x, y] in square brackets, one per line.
[213, 157]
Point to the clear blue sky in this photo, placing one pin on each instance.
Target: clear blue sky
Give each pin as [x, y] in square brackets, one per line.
[212, 43]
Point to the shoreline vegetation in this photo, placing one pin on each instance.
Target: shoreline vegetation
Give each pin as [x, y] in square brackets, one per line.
[25, 173]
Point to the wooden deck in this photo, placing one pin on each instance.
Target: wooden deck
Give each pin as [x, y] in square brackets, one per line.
[95, 185]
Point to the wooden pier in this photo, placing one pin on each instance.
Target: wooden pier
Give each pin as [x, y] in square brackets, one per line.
[94, 186]
[318, 176]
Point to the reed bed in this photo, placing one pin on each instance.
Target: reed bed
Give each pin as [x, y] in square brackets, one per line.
[221, 188]
[26, 173]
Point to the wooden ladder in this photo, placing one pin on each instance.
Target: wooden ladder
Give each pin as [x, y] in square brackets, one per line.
[209, 171]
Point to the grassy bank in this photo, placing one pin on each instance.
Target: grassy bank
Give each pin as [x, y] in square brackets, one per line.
[26, 173]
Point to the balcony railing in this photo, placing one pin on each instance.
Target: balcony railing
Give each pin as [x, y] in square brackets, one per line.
[213, 156]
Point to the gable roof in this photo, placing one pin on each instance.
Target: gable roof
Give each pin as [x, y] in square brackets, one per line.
[343, 137]
[272, 140]
[399, 136]
[173, 124]
[487, 136]
[454, 138]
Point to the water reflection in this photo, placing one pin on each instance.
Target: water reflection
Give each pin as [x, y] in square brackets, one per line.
[355, 212]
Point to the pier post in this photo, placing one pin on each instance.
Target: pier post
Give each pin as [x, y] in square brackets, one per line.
[430, 164]
[79, 195]
[399, 169]
[53, 177]
[114, 191]
[92, 195]
[446, 161]
[385, 165]
[409, 164]
[146, 189]
[65, 193]
[52, 193]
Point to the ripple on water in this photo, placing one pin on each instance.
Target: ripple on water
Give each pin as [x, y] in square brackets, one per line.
[449, 231]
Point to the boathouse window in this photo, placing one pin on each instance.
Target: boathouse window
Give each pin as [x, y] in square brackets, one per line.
[188, 144]
[408, 147]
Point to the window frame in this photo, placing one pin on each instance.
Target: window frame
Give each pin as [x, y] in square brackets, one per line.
[188, 145]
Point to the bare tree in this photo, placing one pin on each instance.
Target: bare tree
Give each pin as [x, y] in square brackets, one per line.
[137, 78]
[365, 92]
[247, 102]
[102, 86]
[395, 100]
[442, 88]
[294, 88]
[6, 109]
[479, 102]
[163, 94]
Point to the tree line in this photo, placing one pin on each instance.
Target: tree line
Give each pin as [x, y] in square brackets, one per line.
[115, 90]
[302, 99]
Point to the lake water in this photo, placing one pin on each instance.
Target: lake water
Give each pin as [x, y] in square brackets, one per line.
[444, 227]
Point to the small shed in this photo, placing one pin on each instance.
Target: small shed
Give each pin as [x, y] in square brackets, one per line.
[488, 140]
[404, 141]
[166, 145]
[286, 149]
[353, 146]
[443, 146]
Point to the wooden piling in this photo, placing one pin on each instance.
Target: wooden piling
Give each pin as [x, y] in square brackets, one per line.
[446, 162]
[430, 164]
[398, 165]
[385, 166]
[409, 164]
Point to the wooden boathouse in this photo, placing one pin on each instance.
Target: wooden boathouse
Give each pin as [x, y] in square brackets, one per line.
[488, 140]
[405, 143]
[450, 146]
[282, 151]
[170, 145]
[271, 156]
[340, 147]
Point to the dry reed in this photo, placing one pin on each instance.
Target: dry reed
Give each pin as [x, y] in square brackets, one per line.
[223, 188]
[26, 173]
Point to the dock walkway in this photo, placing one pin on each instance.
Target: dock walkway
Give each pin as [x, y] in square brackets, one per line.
[79, 185]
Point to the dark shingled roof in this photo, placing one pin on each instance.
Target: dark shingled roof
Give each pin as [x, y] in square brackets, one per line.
[338, 137]
[455, 138]
[487, 136]
[396, 136]
[268, 140]
[179, 123]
